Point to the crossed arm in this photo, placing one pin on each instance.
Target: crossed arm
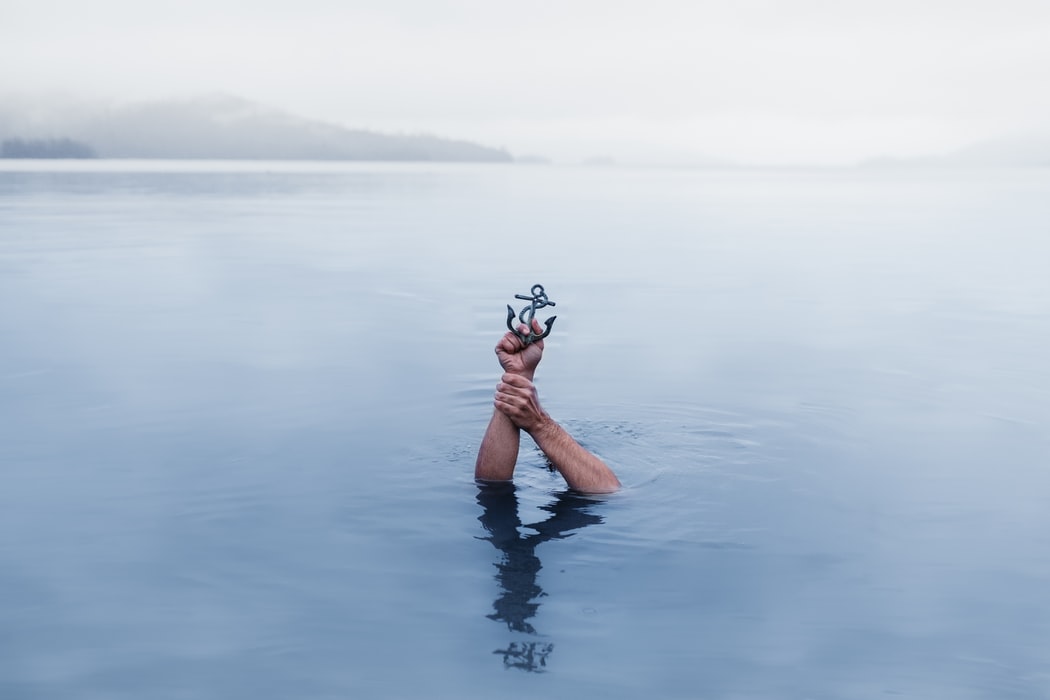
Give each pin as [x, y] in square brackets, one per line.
[518, 408]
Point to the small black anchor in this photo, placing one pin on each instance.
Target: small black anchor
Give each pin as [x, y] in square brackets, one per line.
[538, 300]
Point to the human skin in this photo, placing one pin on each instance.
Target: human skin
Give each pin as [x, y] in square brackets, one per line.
[517, 408]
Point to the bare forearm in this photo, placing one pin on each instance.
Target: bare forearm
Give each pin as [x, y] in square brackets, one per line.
[499, 450]
[582, 470]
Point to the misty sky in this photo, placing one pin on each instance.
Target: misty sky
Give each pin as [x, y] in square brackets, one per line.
[795, 81]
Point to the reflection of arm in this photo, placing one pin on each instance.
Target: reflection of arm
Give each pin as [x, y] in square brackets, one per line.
[499, 450]
[569, 512]
[500, 514]
[516, 397]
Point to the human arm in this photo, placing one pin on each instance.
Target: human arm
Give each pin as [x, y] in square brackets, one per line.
[498, 452]
[517, 399]
[499, 449]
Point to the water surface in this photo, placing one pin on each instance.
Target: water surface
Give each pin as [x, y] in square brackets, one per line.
[240, 403]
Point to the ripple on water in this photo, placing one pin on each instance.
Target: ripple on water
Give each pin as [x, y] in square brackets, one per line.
[676, 462]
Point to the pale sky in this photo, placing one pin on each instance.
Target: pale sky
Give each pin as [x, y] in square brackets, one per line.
[754, 81]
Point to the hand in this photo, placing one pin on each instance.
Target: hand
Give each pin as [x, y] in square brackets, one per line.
[515, 356]
[516, 397]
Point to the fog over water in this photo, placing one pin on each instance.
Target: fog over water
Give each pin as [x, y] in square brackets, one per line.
[665, 81]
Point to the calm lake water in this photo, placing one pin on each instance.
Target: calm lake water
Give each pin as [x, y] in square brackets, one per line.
[240, 404]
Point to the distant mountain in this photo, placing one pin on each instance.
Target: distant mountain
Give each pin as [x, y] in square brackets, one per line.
[224, 127]
[1029, 150]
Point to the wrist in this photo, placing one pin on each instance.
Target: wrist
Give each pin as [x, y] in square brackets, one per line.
[541, 427]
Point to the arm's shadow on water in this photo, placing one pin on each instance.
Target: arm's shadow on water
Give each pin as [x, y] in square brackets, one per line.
[517, 570]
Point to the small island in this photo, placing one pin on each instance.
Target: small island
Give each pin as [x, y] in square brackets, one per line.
[45, 148]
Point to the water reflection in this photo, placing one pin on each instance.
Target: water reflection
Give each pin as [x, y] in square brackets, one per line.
[528, 656]
[517, 569]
